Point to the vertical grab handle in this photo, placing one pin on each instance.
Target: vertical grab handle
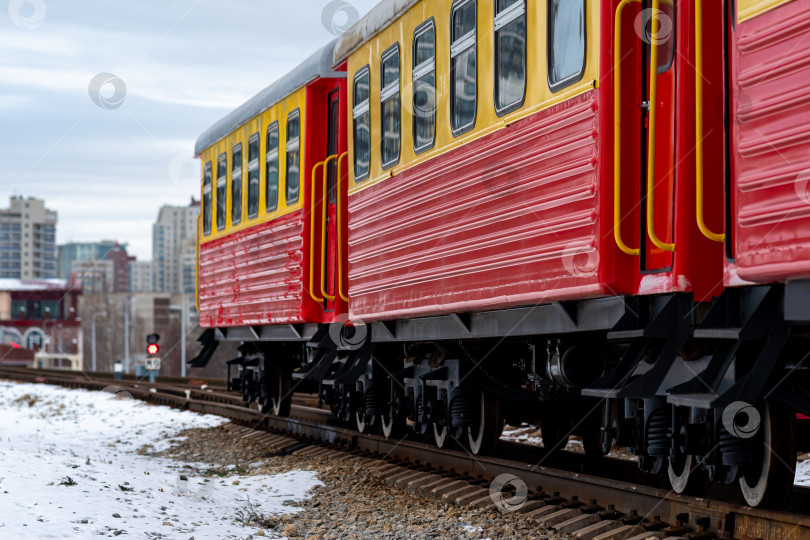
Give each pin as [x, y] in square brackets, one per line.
[325, 203]
[651, 137]
[197, 272]
[699, 188]
[344, 296]
[312, 235]
[617, 129]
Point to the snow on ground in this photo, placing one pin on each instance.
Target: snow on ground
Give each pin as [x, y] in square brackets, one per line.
[70, 468]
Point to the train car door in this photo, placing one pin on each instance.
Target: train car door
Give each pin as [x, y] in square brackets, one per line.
[330, 245]
[648, 134]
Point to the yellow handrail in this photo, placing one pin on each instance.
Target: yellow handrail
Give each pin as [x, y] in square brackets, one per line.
[312, 235]
[323, 223]
[653, 101]
[699, 126]
[197, 285]
[340, 230]
[617, 130]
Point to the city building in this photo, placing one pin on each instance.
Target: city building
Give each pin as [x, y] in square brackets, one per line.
[141, 277]
[87, 253]
[96, 276]
[174, 237]
[27, 240]
[41, 317]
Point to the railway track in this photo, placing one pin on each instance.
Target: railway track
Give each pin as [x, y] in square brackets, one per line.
[581, 498]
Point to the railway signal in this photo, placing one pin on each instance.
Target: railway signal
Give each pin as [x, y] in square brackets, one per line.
[152, 347]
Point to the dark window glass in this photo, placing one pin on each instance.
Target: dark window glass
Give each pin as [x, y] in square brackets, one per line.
[664, 36]
[207, 198]
[510, 55]
[293, 157]
[222, 189]
[463, 83]
[362, 124]
[566, 42]
[390, 107]
[271, 170]
[253, 176]
[424, 87]
[236, 184]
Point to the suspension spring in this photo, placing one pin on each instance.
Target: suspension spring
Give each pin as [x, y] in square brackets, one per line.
[658, 432]
[735, 450]
[462, 411]
[371, 402]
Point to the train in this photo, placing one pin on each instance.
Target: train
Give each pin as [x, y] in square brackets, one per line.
[592, 216]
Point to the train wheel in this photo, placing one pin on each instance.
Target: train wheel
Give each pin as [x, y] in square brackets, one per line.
[483, 435]
[440, 435]
[279, 402]
[685, 477]
[768, 480]
[360, 423]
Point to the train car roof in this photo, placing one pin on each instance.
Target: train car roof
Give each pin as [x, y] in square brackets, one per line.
[319, 65]
[376, 20]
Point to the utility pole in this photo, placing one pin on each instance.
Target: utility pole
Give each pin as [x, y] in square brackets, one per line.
[93, 334]
[126, 335]
[183, 322]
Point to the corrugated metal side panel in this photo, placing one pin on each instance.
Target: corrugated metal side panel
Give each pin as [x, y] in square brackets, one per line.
[772, 229]
[508, 220]
[254, 276]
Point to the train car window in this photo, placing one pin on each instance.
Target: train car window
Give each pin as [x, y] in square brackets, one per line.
[361, 112]
[253, 176]
[207, 198]
[271, 169]
[293, 156]
[222, 189]
[236, 184]
[666, 31]
[424, 87]
[510, 55]
[390, 105]
[463, 66]
[566, 42]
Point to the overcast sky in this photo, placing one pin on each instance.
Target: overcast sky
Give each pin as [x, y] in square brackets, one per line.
[106, 165]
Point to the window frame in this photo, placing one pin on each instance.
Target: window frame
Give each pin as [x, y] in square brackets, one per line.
[357, 111]
[231, 173]
[385, 97]
[269, 156]
[254, 164]
[208, 189]
[457, 5]
[571, 79]
[295, 114]
[222, 181]
[416, 74]
[511, 14]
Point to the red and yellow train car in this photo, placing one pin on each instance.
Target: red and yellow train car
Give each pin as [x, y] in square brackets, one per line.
[521, 204]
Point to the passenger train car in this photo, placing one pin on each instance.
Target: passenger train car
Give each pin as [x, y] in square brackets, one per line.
[588, 215]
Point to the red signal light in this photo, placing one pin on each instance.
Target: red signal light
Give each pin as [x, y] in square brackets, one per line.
[152, 348]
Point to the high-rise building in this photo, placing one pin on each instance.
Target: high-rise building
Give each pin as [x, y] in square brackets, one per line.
[141, 277]
[27, 240]
[173, 238]
[89, 252]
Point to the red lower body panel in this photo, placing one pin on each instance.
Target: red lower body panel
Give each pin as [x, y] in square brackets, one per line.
[511, 219]
[254, 276]
[772, 153]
